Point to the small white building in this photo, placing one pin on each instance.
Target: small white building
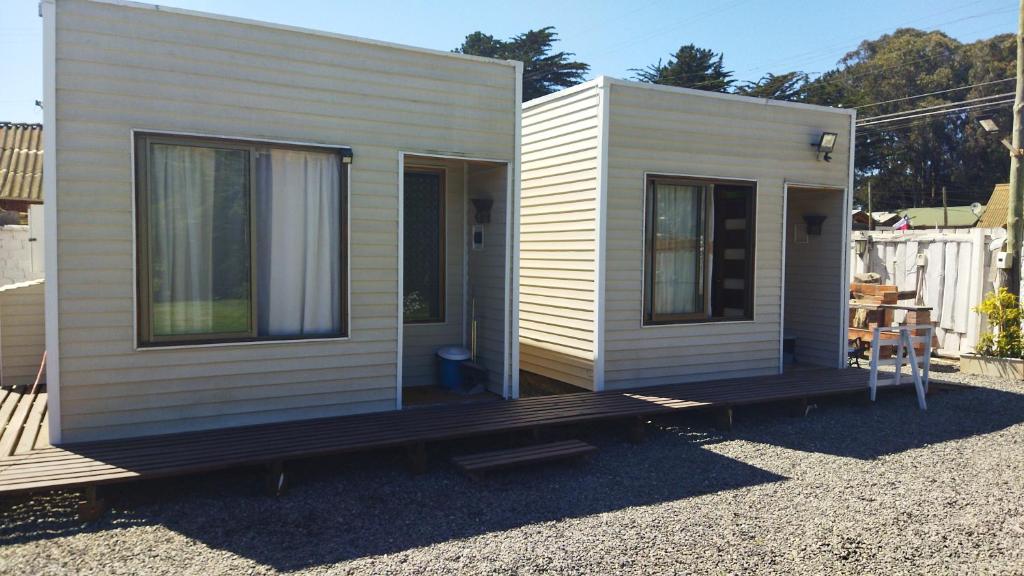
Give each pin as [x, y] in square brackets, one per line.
[671, 235]
[251, 223]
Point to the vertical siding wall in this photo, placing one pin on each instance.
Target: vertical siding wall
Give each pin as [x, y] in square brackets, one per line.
[420, 341]
[666, 131]
[813, 274]
[487, 272]
[22, 332]
[121, 68]
[558, 244]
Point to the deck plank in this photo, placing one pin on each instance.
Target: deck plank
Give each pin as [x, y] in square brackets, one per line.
[91, 463]
[32, 425]
[15, 425]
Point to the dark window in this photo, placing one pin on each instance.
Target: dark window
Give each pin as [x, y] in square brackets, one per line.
[423, 275]
[699, 251]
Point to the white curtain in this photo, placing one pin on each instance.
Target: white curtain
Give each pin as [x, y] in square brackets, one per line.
[181, 194]
[298, 239]
[677, 249]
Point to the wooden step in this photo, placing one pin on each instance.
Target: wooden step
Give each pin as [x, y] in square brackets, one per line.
[474, 464]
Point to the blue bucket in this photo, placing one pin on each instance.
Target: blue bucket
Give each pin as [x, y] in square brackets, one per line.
[451, 359]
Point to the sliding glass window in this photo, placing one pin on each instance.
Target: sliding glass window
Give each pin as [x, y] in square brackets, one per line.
[698, 251]
[238, 241]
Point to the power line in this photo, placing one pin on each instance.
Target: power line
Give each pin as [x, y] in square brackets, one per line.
[961, 109]
[932, 93]
[880, 129]
[868, 120]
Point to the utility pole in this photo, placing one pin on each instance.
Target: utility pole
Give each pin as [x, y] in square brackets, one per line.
[871, 211]
[945, 207]
[1016, 173]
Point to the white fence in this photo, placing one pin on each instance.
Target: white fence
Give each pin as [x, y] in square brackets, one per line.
[951, 270]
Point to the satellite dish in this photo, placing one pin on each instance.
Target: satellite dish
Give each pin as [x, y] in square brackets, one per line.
[976, 207]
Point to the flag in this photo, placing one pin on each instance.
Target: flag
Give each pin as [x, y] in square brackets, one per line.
[902, 224]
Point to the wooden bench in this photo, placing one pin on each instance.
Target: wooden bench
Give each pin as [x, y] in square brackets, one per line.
[476, 464]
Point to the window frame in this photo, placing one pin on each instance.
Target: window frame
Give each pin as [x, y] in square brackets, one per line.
[144, 337]
[707, 184]
[442, 276]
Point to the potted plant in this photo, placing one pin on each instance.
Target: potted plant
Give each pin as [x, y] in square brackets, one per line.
[999, 351]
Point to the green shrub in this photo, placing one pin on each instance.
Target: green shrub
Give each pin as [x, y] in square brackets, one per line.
[1004, 339]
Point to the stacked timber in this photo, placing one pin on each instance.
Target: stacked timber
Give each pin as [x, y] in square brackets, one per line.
[873, 305]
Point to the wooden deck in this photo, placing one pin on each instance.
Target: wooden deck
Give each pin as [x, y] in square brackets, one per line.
[43, 467]
[23, 421]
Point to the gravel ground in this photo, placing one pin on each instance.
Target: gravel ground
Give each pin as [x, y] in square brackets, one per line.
[853, 488]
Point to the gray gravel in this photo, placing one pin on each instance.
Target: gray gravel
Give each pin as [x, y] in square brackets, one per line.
[853, 488]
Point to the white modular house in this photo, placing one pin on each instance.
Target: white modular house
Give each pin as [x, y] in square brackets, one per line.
[671, 235]
[252, 223]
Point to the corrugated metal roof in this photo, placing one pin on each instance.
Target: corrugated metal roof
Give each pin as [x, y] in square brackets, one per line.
[995, 210]
[21, 162]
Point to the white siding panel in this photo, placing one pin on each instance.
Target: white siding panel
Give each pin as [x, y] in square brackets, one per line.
[121, 68]
[558, 240]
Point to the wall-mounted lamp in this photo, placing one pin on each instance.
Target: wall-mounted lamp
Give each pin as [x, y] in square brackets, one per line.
[813, 222]
[825, 145]
[482, 209]
[346, 155]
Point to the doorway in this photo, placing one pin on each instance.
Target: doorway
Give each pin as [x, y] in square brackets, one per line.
[815, 288]
[454, 280]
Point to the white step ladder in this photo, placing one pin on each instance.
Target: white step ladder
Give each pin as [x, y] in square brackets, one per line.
[919, 367]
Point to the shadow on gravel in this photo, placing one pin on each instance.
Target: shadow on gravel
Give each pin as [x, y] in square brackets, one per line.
[365, 505]
[854, 427]
[344, 509]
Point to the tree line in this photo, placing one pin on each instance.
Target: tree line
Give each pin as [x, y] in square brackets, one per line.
[907, 161]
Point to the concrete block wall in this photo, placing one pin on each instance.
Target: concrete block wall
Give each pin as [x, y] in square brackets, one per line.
[16, 256]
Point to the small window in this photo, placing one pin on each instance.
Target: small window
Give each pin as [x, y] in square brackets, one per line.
[699, 251]
[424, 247]
[238, 241]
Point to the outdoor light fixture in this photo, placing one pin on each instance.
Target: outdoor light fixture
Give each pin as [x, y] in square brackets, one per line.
[988, 123]
[826, 145]
[482, 208]
[814, 222]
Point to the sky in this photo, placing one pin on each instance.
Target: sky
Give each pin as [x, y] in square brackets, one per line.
[755, 36]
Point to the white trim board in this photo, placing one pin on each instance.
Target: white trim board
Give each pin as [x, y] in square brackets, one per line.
[601, 250]
[516, 178]
[51, 292]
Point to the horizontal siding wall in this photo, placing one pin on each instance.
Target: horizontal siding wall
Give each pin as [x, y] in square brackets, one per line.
[813, 269]
[487, 273]
[675, 132]
[121, 68]
[22, 333]
[558, 240]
